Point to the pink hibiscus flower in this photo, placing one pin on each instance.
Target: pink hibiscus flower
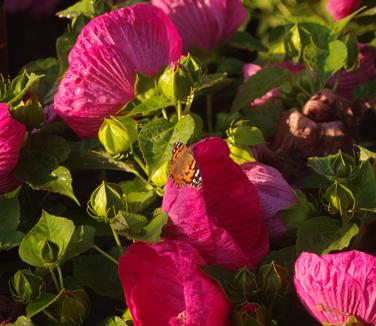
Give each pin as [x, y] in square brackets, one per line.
[274, 192]
[349, 80]
[342, 8]
[104, 61]
[202, 23]
[222, 218]
[35, 8]
[163, 285]
[12, 133]
[335, 287]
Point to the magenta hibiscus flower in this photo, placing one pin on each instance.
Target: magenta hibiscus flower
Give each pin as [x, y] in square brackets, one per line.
[163, 285]
[349, 80]
[342, 8]
[274, 192]
[202, 23]
[12, 133]
[104, 61]
[222, 218]
[336, 287]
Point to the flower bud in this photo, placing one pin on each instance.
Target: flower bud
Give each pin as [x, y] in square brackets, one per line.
[75, 306]
[193, 66]
[274, 280]
[49, 251]
[340, 199]
[159, 177]
[30, 113]
[105, 202]
[25, 286]
[175, 83]
[117, 134]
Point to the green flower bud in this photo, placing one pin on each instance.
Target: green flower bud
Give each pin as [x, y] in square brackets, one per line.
[175, 83]
[105, 202]
[30, 113]
[159, 177]
[118, 134]
[49, 251]
[342, 165]
[193, 66]
[340, 199]
[75, 306]
[274, 280]
[25, 286]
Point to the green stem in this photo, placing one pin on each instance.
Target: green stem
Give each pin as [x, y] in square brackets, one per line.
[54, 279]
[164, 113]
[188, 105]
[61, 279]
[117, 240]
[209, 112]
[105, 254]
[49, 315]
[140, 163]
[178, 110]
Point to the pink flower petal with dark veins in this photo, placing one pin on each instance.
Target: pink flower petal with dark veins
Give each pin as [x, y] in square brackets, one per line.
[341, 8]
[96, 85]
[336, 286]
[223, 219]
[163, 286]
[12, 134]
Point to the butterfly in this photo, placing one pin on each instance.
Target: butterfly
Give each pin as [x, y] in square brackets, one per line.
[184, 169]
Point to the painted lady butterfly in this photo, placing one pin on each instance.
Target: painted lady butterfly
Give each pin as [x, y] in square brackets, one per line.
[184, 169]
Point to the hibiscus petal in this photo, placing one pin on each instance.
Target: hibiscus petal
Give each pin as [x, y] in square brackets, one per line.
[274, 192]
[223, 219]
[204, 24]
[12, 133]
[163, 286]
[336, 286]
[143, 32]
[342, 8]
[96, 85]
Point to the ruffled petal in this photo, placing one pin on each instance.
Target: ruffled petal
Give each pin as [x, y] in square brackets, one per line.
[274, 192]
[342, 8]
[143, 32]
[336, 286]
[222, 219]
[204, 24]
[12, 134]
[164, 286]
[96, 85]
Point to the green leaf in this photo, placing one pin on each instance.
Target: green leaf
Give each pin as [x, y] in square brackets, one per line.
[81, 241]
[44, 301]
[322, 235]
[151, 104]
[10, 238]
[9, 212]
[81, 160]
[23, 321]
[159, 135]
[246, 136]
[365, 154]
[245, 41]
[340, 25]
[113, 321]
[352, 51]
[57, 230]
[21, 85]
[53, 145]
[285, 257]
[83, 7]
[152, 231]
[239, 318]
[139, 196]
[213, 83]
[104, 281]
[366, 199]
[258, 85]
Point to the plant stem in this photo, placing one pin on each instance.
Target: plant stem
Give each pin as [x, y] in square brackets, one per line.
[117, 240]
[54, 279]
[164, 113]
[188, 105]
[61, 279]
[49, 315]
[209, 112]
[178, 110]
[105, 254]
[140, 163]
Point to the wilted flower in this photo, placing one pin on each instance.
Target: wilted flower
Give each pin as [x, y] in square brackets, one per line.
[222, 218]
[274, 192]
[349, 80]
[204, 24]
[104, 61]
[163, 285]
[35, 8]
[12, 133]
[336, 287]
[342, 8]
